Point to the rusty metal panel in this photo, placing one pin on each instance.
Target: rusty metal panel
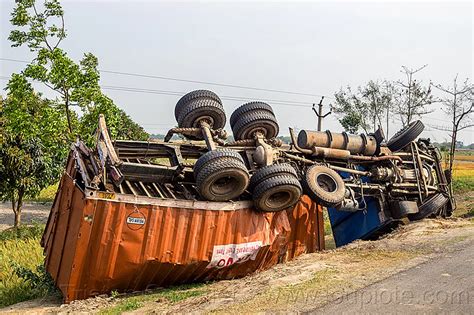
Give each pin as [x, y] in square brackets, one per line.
[95, 245]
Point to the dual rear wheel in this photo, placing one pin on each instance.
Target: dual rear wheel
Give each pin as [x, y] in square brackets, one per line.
[247, 120]
[252, 118]
[200, 106]
[221, 175]
[275, 187]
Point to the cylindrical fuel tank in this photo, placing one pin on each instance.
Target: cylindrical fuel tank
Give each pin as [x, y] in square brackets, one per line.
[355, 144]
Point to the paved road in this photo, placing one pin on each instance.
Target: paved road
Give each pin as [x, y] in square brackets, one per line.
[32, 212]
[442, 285]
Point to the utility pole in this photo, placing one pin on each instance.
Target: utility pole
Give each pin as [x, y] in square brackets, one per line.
[319, 113]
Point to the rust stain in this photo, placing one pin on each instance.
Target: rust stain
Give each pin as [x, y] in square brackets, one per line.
[93, 245]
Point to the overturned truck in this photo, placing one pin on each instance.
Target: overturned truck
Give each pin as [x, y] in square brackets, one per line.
[130, 215]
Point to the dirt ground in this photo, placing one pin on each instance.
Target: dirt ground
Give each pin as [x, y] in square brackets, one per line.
[314, 280]
[32, 212]
[303, 284]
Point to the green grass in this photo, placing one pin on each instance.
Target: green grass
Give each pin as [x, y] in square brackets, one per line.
[463, 184]
[172, 295]
[22, 276]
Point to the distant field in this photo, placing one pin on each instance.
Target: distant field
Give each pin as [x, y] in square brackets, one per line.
[469, 158]
[463, 172]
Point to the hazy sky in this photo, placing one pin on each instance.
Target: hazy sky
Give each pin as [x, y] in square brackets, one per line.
[310, 47]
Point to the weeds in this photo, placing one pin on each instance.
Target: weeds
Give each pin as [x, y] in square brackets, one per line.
[23, 232]
[463, 184]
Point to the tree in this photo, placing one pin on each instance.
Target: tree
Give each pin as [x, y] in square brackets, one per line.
[51, 66]
[33, 146]
[119, 124]
[351, 122]
[458, 104]
[2, 124]
[364, 109]
[42, 30]
[411, 97]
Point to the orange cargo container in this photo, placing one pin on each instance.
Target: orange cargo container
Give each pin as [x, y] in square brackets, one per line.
[96, 241]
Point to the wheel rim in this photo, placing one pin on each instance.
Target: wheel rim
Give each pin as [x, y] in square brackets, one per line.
[266, 128]
[277, 199]
[327, 183]
[224, 185]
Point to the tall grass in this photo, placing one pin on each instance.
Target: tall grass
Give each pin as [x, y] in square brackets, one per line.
[22, 276]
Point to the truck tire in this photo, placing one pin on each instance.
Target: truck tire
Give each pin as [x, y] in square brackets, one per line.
[249, 107]
[194, 95]
[269, 171]
[196, 111]
[429, 207]
[222, 180]
[324, 185]
[255, 121]
[406, 135]
[277, 193]
[213, 155]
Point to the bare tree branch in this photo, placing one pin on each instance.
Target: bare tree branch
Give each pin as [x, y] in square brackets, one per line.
[411, 97]
[458, 103]
[465, 127]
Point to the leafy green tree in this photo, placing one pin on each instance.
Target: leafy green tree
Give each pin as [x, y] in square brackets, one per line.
[35, 132]
[351, 122]
[364, 109]
[119, 124]
[42, 30]
[34, 144]
[2, 123]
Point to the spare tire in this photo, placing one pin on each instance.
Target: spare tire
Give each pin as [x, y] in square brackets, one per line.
[429, 207]
[194, 95]
[222, 180]
[405, 136]
[277, 193]
[249, 107]
[269, 171]
[255, 121]
[211, 111]
[324, 185]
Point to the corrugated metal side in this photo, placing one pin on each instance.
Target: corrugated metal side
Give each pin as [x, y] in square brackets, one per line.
[91, 249]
